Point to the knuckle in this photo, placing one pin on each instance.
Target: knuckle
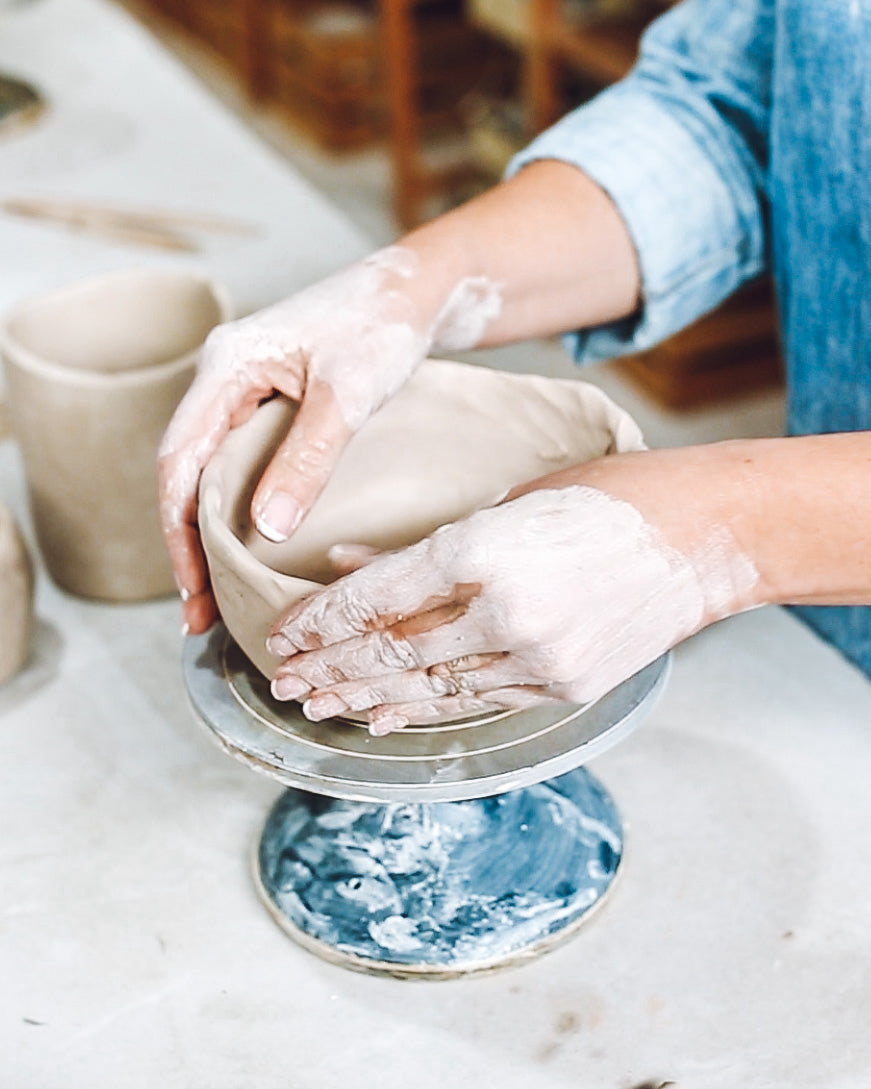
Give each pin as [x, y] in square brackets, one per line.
[355, 608]
[474, 561]
[508, 620]
[515, 617]
[467, 704]
[424, 711]
[218, 341]
[304, 633]
[557, 664]
[365, 698]
[451, 682]
[396, 653]
[330, 672]
[311, 457]
[238, 346]
[580, 690]
[451, 551]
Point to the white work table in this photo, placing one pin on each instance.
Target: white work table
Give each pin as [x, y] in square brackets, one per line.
[735, 950]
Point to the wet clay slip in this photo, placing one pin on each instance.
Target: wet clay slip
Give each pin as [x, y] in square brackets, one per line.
[94, 373]
[16, 598]
[454, 439]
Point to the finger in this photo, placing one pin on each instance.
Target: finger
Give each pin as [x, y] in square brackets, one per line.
[403, 591]
[487, 673]
[198, 606]
[374, 656]
[200, 422]
[384, 720]
[200, 612]
[394, 690]
[346, 558]
[407, 687]
[302, 465]
[181, 534]
[224, 394]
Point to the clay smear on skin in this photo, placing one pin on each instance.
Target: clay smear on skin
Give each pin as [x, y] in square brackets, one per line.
[434, 612]
[393, 347]
[596, 592]
[470, 308]
[361, 375]
[397, 346]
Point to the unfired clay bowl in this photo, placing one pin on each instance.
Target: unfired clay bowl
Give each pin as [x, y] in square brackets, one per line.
[454, 439]
[94, 373]
[16, 598]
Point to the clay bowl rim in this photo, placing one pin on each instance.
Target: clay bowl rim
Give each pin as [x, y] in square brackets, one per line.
[17, 354]
[211, 501]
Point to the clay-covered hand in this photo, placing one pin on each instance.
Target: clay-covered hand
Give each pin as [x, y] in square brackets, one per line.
[340, 348]
[558, 594]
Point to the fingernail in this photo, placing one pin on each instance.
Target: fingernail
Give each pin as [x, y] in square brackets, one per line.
[289, 688]
[326, 706]
[386, 723]
[280, 646]
[279, 518]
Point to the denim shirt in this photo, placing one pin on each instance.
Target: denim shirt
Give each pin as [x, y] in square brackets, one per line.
[741, 142]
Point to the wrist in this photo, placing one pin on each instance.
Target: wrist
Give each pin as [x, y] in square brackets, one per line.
[400, 292]
[456, 301]
[799, 509]
[813, 518]
[700, 503]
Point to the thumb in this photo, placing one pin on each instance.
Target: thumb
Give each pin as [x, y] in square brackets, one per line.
[346, 558]
[302, 465]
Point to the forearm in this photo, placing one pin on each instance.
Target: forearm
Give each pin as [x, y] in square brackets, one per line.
[549, 243]
[579, 579]
[813, 518]
[798, 509]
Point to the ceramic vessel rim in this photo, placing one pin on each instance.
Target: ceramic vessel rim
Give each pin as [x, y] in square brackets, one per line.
[17, 354]
[284, 756]
[211, 495]
[210, 503]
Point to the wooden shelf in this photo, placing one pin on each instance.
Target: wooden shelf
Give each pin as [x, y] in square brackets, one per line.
[398, 72]
[732, 351]
[419, 72]
[601, 49]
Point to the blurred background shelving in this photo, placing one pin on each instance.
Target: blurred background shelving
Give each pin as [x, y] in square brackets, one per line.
[448, 91]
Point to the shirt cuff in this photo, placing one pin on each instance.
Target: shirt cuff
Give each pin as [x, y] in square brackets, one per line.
[695, 228]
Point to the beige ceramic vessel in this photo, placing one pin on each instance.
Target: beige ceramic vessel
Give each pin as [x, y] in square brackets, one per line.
[94, 373]
[16, 598]
[454, 439]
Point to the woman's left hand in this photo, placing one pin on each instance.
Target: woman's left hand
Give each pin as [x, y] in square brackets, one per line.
[558, 594]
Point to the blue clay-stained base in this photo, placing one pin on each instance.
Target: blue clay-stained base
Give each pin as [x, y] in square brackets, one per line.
[440, 889]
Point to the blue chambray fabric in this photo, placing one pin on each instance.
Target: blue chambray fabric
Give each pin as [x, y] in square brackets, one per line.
[741, 142]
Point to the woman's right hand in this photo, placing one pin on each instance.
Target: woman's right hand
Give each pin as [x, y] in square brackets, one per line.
[340, 348]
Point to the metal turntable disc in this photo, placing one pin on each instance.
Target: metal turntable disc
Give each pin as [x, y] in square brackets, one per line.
[470, 758]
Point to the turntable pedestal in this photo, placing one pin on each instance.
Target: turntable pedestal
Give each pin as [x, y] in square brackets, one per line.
[436, 851]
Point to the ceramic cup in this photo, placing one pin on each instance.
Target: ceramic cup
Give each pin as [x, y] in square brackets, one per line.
[94, 372]
[16, 598]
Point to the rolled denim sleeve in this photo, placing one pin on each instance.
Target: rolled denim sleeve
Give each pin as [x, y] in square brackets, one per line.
[681, 147]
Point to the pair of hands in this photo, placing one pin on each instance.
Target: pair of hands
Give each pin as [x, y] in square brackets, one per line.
[558, 593]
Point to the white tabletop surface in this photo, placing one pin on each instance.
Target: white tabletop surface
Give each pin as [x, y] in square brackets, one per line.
[735, 952]
[126, 125]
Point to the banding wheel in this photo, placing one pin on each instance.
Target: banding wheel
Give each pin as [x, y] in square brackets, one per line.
[435, 851]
